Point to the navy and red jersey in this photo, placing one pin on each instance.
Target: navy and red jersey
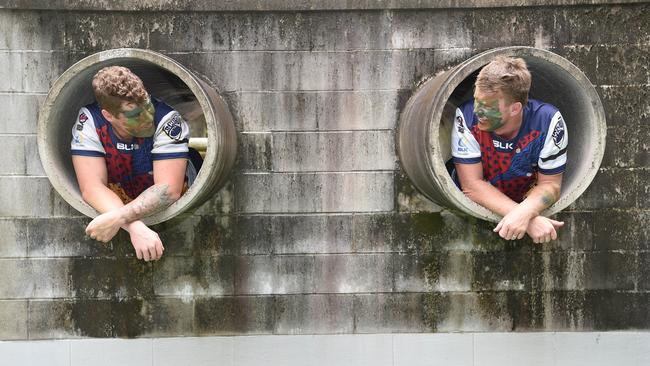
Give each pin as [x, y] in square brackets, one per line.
[129, 164]
[512, 165]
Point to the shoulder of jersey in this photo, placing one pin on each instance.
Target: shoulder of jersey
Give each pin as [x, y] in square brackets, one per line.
[541, 113]
[467, 109]
[162, 109]
[93, 112]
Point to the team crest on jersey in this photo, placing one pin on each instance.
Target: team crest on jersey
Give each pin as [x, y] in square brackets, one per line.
[558, 132]
[173, 127]
[82, 119]
[459, 123]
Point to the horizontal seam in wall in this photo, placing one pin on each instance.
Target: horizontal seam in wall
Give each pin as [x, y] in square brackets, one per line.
[312, 172]
[350, 91]
[401, 253]
[23, 176]
[608, 86]
[315, 51]
[13, 50]
[337, 294]
[23, 93]
[308, 132]
[324, 172]
[335, 51]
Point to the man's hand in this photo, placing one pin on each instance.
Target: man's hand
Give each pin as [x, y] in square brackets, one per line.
[513, 225]
[146, 242]
[542, 229]
[104, 227]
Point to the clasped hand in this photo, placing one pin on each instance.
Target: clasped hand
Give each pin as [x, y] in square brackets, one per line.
[104, 227]
[146, 242]
[519, 222]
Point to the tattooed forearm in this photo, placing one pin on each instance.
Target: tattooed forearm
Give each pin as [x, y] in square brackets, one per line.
[155, 198]
[548, 198]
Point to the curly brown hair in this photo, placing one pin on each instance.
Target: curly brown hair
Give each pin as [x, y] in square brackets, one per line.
[508, 75]
[113, 85]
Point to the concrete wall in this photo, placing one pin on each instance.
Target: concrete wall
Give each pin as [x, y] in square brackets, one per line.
[319, 231]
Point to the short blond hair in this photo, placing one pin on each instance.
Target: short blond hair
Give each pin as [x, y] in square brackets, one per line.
[508, 75]
[113, 85]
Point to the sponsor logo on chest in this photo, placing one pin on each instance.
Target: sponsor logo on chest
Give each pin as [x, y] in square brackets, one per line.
[127, 147]
[503, 145]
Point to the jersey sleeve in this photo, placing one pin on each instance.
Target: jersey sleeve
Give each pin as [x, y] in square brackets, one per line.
[85, 141]
[464, 147]
[171, 138]
[552, 158]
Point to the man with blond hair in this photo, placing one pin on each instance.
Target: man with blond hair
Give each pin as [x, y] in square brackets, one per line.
[509, 151]
[129, 152]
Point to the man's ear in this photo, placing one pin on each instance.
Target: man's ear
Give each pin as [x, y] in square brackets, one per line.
[109, 117]
[516, 108]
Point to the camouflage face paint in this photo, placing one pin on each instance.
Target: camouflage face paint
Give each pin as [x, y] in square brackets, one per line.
[489, 115]
[139, 120]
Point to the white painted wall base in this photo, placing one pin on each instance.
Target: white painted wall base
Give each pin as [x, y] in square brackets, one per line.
[448, 349]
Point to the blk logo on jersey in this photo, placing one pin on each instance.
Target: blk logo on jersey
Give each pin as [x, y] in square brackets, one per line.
[173, 128]
[558, 132]
[462, 148]
[127, 147]
[503, 145]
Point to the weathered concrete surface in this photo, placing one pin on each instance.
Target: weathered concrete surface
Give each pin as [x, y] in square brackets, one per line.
[319, 230]
[274, 5]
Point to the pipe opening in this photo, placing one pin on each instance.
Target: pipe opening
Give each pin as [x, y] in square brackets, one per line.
[211, 124]
[427, 120]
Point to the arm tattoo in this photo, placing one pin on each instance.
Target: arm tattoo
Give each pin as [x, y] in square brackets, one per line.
[548, 198]
[153, 199]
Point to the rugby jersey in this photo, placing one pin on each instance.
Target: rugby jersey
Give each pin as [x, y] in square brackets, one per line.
[511, 165]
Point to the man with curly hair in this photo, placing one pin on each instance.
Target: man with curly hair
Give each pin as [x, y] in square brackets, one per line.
[509, 151]
[129, 152]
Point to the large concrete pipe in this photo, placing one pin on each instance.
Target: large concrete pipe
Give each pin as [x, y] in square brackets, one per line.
[196, 100]
[426, 122]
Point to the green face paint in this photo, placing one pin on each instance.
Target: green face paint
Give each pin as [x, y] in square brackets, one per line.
[139, 120]
[489, 115]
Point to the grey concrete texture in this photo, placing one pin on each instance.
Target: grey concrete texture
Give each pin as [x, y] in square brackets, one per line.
[318, 111]
[20, 123]
[318, 230]
[328, 192]
[14, 319]
[276, 5]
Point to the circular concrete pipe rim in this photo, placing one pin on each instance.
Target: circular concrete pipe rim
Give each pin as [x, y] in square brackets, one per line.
[464, 70]
[216, 139]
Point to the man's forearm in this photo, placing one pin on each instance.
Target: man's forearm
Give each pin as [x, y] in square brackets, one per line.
[490, 197]
[541, 197]
[153, 199]
[102, 198]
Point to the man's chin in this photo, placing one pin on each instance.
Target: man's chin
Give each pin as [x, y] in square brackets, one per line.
[142, 134]
[485, 128]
